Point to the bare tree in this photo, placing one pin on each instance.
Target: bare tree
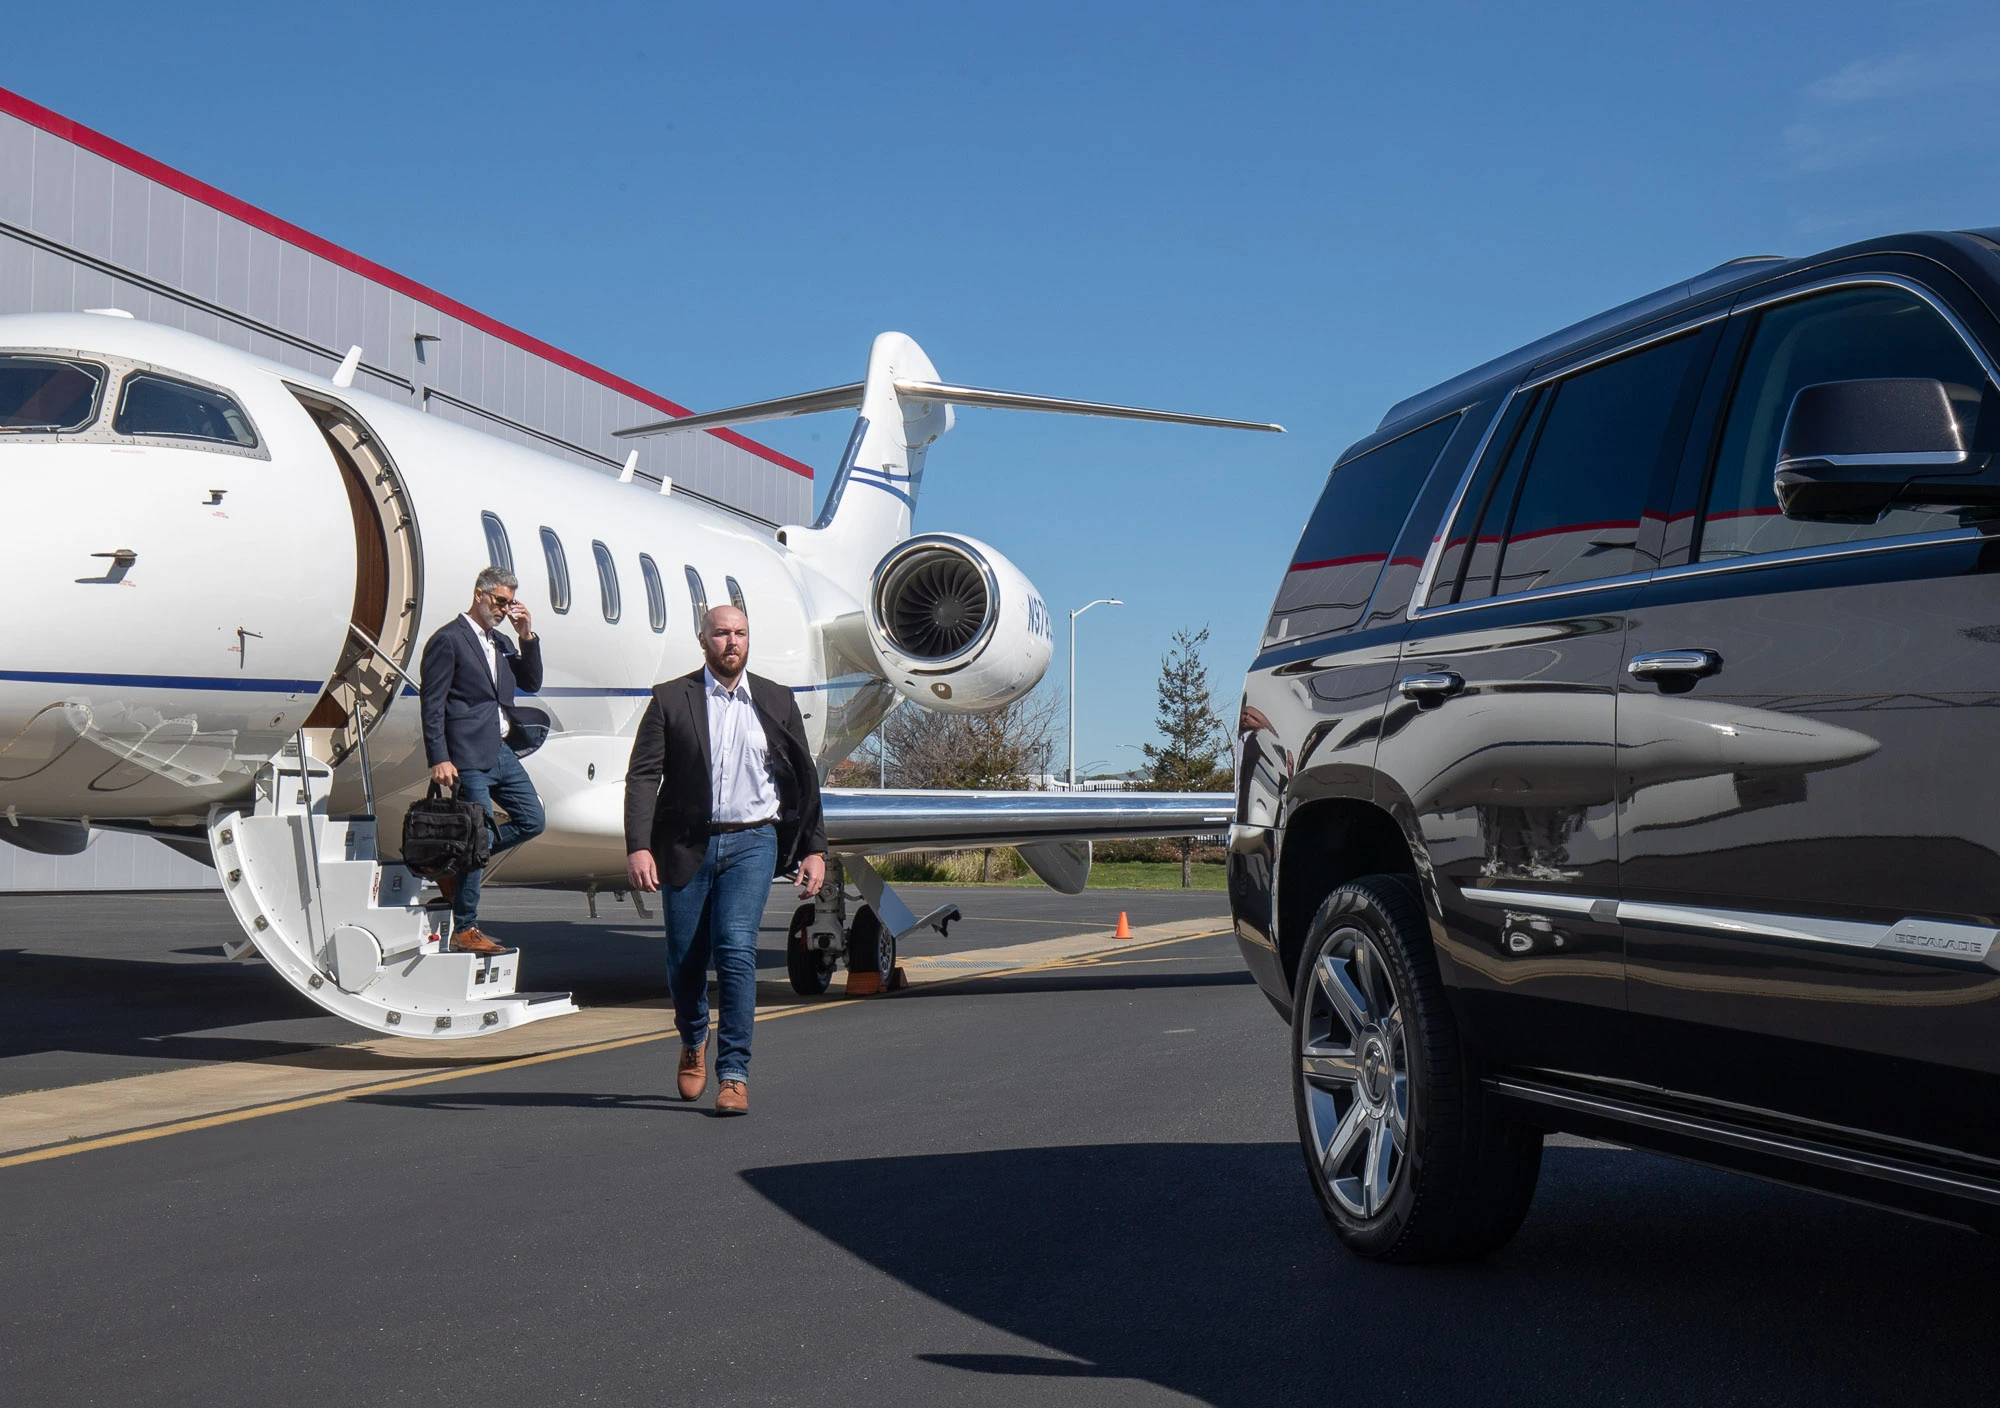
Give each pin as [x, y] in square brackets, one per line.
[1195, 754]
[1001, 751]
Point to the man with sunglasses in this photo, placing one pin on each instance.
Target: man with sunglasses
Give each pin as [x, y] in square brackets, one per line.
[470, 673]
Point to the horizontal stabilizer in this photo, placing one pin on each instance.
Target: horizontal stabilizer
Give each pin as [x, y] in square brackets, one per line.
[842, 398]
[806, 403]
[936, 391]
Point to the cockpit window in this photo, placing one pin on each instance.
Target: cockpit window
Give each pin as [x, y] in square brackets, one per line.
[48, 394]
[155, 405]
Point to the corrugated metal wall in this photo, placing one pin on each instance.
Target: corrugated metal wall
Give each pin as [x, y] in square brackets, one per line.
[112, 861]
[86, 223]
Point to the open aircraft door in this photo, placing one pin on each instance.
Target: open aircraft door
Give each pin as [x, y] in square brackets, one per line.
[388, 584]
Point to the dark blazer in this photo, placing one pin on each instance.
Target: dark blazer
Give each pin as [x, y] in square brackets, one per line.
[460, 699]
[668, 799]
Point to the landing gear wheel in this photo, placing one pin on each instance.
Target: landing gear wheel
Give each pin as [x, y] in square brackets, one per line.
[1406, 1161]
[870, 948]
[810, 971]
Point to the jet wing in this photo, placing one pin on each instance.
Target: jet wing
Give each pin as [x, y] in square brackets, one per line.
[864, 820]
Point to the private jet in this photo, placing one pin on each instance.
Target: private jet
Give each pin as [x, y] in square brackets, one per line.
[230, 567]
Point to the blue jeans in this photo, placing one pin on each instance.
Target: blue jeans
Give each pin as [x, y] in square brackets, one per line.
[506, 782]
[717, 913]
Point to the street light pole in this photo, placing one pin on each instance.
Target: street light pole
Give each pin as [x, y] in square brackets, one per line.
[1101, 601]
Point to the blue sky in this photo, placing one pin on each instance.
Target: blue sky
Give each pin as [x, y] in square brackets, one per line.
[1298, 213]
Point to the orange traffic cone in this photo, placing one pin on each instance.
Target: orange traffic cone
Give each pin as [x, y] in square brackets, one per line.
[1124, 927]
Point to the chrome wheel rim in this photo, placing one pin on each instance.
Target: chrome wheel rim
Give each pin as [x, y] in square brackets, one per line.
[1354, 1070]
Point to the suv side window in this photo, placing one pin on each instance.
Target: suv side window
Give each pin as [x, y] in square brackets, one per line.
[1845, 335]
[1510, 441]
[1567, 504]
[1350, 534]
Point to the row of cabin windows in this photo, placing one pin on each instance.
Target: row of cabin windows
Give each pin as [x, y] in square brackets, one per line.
[60, 396]
[500, 552]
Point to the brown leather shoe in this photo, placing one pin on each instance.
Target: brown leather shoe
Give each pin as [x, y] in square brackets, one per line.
[693, 1073]
[447, 887]
[733, 1098]
[470, 940]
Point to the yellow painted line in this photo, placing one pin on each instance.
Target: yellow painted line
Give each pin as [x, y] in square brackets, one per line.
[135, 1136]
[228, 1117]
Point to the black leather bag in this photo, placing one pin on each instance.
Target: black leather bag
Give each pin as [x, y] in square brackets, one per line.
[446, 836]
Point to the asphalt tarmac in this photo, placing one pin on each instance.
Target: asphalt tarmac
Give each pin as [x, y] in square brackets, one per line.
[1071, 1186]
[117, 985]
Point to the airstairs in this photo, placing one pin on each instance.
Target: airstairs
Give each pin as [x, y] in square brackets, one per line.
[364, 939]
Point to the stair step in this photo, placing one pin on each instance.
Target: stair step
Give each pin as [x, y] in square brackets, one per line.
[360, 937]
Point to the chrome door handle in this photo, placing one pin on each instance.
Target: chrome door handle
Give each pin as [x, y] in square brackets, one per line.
[1669, 664]
[1430, 690]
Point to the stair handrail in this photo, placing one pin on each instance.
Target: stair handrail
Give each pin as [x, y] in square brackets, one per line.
[312, 839]
[376, 646]
[362, 725]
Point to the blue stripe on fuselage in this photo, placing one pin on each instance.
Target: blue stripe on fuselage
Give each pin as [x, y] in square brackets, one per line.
[231, 683]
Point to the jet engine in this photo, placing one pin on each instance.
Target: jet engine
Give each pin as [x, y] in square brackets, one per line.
[957, 626]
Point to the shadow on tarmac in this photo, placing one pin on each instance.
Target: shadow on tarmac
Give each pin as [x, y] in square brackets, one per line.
[1207, 1269]
[657, 1103]
[79, 1002]
[1088, 979]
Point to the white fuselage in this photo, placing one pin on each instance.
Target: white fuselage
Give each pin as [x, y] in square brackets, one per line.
[155, 687]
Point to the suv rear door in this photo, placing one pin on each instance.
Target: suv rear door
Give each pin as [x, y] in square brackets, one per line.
[1808, 822]
[1499, 755]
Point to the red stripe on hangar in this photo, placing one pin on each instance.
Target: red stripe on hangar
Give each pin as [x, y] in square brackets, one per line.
[138, 162]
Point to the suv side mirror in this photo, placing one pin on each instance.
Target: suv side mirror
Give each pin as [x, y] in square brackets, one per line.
[1851, 449]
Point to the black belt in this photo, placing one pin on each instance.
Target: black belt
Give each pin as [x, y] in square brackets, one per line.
[718, 828]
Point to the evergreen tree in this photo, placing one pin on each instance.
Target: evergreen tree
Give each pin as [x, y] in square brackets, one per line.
[1195, 756]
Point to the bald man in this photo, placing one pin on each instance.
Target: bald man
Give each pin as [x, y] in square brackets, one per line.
[721, 794]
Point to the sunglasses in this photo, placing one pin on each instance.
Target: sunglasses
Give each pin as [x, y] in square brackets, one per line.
[503, 602]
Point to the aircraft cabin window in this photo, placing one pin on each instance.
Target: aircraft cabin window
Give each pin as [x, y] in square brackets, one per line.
[656, 594]
[1852, 334]
[735, 595]
[607, 583]
[697, 594]
[156, 405]
[498, 551]
[552, 549]
[47, 394]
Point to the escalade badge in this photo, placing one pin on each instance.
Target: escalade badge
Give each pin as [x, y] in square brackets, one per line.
[1961, 941]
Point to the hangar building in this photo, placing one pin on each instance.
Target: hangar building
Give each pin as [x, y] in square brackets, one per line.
[87, 222]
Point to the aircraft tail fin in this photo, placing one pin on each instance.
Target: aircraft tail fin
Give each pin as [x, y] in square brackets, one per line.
[903, 409]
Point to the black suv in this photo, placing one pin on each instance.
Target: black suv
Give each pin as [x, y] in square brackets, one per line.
[1623, 757]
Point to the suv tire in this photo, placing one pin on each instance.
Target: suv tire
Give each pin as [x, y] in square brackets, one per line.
[1406, 1162]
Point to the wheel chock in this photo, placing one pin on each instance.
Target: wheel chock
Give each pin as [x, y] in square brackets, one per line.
[1124, 927]
[898, 980]
[864, 984]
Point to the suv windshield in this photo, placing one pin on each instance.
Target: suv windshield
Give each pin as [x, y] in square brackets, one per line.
[47, 393]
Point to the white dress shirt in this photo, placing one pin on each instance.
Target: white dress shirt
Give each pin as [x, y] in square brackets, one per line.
[492, 665]
[739, 763]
